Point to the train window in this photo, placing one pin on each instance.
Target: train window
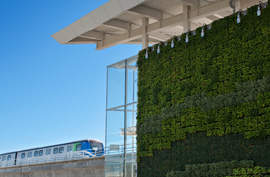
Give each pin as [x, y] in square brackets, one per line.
[29, 155]
[78, 147]
[48, 151]
[3, 158]
[55, 151]
[35, 153]
[96, 146]
[8, 157]
[69, 148]
[22, 155]
[61, 150]
[40, 153]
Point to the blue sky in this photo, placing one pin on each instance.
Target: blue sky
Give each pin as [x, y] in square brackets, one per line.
[50, 93]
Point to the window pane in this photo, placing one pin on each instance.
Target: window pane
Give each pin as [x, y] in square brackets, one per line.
[61, 150]
[23, 155]
[29, 154]
[116, 85]
[3, 158]
[55, 151]
[41, 153]
[48, 151]
[69, 148]
[36, 153]
[9, 157]
[78, 147]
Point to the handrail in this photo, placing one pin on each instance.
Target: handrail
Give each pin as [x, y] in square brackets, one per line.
[130, 148]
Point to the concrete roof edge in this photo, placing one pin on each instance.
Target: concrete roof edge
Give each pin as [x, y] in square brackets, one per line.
[95, 18]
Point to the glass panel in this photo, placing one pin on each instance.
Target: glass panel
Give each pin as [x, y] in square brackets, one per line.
[131, 124]
[61, 150]
[55, 151]
[3, 158]
[116, 86]
[48, 151]
[116, 117]
[113, 169]
[29, 154]
[36, 153]
[78, 147]
[115, 127]
[132, 83]
[23, 155]
[69, 148]
[41, 153]
[9, 157]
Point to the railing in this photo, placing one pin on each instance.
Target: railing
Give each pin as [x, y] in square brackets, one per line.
[116, 152]
[67, 156]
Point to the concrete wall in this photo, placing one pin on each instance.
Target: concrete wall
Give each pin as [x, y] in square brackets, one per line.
[75, 168]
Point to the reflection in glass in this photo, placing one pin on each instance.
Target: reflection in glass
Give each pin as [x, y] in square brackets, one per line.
[120, 159]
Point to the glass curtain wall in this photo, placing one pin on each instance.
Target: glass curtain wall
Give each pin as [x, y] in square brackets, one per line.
[121, 112]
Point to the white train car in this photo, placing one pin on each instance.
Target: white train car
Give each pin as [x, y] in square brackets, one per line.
[61, 152]
[8, 160]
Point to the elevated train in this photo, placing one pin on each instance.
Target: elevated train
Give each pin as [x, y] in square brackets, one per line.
[61, 152]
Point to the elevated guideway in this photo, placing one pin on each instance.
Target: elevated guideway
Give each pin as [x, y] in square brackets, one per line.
[91, 167]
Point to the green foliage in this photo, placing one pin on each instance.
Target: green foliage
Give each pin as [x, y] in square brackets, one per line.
[218, 84]
[220, 169]
[257, 171]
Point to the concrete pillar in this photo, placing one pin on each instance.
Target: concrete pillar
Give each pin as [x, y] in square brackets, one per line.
[237, 5]
[186, 22]
[145, 35]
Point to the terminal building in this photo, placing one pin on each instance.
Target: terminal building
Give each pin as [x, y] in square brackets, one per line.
[143, 22]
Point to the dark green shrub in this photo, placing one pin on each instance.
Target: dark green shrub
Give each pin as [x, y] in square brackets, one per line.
[220, 169]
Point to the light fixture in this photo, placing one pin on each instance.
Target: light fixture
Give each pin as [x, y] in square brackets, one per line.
[187, 37]
[172, 43]
[259, 10]
[238, 17]
[202, 33]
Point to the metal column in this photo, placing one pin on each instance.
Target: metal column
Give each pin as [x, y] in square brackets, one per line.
[125, 121]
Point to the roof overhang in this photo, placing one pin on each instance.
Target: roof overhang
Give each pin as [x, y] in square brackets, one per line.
[120, 21]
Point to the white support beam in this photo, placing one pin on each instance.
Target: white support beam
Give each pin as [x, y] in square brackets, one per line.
[237, 4]
[147, 12]
[118, 24]
[212, 18]
[186, 21]
[194, 3]
[81, 40]
[159, 36]
[195, 14]
[93, 35]
[139, 41]
[120, 39]
[210, 9]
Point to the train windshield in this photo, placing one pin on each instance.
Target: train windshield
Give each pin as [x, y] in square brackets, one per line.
[96, 146]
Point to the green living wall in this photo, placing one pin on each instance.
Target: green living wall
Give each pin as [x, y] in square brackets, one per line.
[206, 101]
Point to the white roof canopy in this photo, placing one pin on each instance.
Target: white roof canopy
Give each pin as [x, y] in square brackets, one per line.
[135, 21]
